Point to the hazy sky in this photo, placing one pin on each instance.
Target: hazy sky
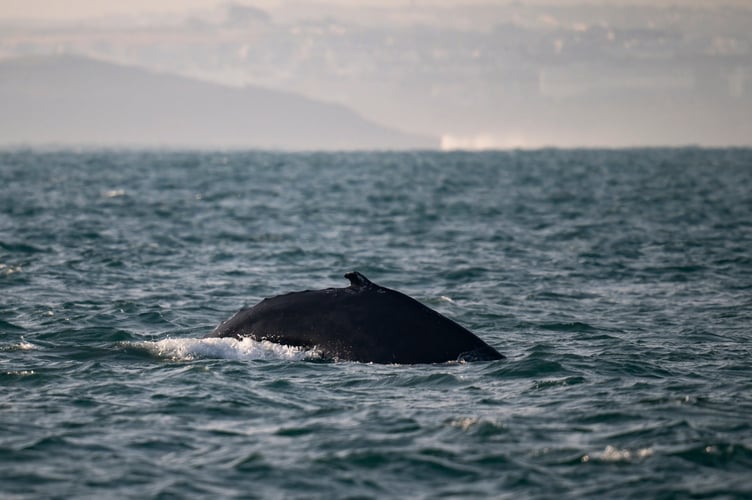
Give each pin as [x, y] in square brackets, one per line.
[81, 9]
[475, 73]
[76, 9]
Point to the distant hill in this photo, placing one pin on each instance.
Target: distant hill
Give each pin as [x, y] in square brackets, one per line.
[72, 100]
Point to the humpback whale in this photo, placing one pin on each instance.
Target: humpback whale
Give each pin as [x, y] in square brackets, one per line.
[364, 322]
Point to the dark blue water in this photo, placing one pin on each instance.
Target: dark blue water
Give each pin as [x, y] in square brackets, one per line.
[617, 283]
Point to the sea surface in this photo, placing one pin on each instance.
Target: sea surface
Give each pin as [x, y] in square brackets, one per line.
[618, 284]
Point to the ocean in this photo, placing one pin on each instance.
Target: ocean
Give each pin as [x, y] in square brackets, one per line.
[617, 283]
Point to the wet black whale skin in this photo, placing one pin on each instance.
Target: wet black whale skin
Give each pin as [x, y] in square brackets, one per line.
[364, 322]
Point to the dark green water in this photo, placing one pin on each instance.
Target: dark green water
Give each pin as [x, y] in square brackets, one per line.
[617, 283]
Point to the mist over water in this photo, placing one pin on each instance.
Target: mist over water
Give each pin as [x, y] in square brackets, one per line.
[616, 282]
[485, 74]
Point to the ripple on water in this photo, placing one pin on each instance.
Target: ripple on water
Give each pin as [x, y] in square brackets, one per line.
[615, 282]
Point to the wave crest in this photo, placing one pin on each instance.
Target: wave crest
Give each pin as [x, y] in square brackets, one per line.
[223, 348]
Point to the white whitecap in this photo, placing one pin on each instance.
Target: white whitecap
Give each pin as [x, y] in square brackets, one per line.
[614, 454]
[21, 346]
[25, 346]
[20, 373]
[223, 348]
[8, 270]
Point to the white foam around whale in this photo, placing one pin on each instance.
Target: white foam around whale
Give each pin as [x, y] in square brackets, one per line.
[223, 348]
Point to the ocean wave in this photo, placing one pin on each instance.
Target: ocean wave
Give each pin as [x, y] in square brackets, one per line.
[23, 345]
[222, 348]
[614, 454]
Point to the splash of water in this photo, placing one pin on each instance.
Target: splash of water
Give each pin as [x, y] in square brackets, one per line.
[223, 348]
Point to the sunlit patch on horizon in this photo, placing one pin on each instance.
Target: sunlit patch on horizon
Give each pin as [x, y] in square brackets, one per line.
[482, 142]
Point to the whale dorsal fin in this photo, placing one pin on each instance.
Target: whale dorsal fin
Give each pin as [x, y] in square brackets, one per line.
[357, 280]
